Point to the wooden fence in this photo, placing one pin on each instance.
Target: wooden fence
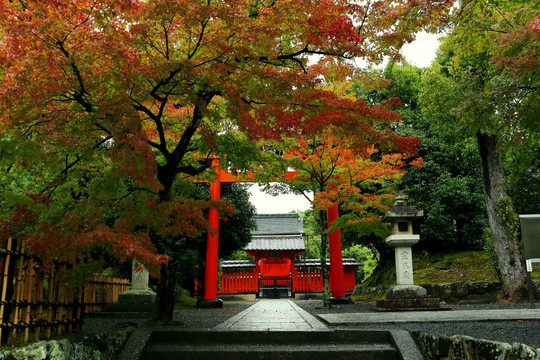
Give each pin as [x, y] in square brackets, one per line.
[35, 297]
[102, 291]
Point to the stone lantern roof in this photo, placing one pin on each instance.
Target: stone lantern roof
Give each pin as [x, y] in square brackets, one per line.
[401, 210]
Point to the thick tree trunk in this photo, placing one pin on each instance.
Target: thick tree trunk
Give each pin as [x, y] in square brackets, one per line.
[165, 293]
[505, 242]
[324, 250]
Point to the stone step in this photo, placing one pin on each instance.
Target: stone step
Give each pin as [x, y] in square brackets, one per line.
[282, 352]
[174, 343]
[202, 336]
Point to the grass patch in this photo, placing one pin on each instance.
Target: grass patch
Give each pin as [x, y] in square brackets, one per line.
[185, 301]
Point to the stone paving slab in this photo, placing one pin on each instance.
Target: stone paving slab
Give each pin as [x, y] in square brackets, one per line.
[430, 316]
[273, 315]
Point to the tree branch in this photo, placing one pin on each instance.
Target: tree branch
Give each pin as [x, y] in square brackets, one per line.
[181, 148]
[192, 170]
[74, 162]
[199, 40]
[79, 94]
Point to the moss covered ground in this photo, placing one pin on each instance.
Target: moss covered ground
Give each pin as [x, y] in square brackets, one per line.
[440, 268]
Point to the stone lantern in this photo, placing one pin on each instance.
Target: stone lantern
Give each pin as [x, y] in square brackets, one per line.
[405, 295]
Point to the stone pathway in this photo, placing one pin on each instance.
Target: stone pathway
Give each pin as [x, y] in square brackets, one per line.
[273, 315]
[431, 316]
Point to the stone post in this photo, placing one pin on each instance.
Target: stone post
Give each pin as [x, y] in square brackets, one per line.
[139, 298]
[139, 277]
[403, 256]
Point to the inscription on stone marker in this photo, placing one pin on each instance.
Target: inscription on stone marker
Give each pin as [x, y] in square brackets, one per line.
[139, 277]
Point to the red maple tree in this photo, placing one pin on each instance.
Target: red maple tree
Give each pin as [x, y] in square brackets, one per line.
[108, 106]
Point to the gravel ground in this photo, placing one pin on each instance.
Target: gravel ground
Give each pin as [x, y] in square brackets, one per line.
[527, 332]
[208, 318]
[186, 317]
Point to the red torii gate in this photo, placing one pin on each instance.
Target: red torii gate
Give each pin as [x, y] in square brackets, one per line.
[212, 243]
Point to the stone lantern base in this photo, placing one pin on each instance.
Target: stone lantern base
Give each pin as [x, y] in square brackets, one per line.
[407, 298]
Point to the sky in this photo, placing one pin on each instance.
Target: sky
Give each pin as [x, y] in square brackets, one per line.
[420, 53]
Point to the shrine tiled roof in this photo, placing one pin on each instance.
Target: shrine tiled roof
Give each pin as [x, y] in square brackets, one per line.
[317, 262]
[274, 224]
[276, 242]
[239, 264]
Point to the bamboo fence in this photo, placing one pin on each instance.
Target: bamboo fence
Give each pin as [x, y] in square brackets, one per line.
[35, 299]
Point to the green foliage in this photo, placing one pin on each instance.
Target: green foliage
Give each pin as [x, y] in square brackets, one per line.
[508, 216]
[239, 255]
[313, 237]
[364, 256]
[188, 253]
[523, 180]
[448, 186]
[235, 230]
[313, 247]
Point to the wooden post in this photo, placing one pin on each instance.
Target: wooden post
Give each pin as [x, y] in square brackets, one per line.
[18, 296]
[51, 297]
[39, 297]
[30, 274]
[69, 302]
[61, 297]
[5, 280]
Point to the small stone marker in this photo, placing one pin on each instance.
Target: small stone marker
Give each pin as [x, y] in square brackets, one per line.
[139, 298]
[139, 277]
[405, 295]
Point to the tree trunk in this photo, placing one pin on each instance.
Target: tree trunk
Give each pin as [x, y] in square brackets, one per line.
[505, 240]
[165, 293]
[324, 250]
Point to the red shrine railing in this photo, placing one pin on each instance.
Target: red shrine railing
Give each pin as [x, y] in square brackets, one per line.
[303, 280]
[238, 282]
[308, 280]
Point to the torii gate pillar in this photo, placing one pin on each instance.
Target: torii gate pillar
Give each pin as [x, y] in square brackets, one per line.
[336, 260]
[210, 299]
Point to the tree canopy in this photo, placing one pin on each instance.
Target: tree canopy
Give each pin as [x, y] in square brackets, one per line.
[108, 107]
[485, 84]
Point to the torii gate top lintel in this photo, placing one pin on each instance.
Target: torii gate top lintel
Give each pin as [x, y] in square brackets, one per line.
[225, 176]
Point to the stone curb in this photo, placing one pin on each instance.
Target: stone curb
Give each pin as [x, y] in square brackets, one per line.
[459, 347]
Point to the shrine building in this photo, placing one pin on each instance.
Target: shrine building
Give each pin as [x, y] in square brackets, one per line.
[278, 268]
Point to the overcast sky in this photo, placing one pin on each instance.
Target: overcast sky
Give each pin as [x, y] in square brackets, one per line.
[420, 53]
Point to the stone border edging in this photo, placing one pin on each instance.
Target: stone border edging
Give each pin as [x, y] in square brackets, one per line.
[461, 291]
[102, 346]
[460, 347]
